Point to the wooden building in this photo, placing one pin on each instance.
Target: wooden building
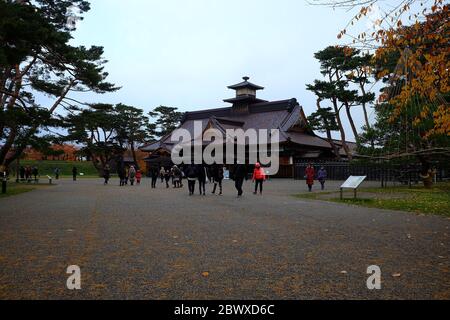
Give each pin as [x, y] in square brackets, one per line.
[247, 111]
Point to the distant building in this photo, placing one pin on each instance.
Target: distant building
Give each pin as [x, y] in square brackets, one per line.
[297, 142]
[128, 159]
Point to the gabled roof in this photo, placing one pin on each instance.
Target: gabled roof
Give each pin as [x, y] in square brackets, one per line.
[282, 115]
[260, 107]
[151, 146]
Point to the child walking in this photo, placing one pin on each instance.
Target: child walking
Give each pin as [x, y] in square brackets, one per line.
[138, 177]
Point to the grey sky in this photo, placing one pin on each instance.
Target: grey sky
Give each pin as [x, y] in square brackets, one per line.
[185, 53]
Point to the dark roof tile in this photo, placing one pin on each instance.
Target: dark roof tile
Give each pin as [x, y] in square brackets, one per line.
[245, 84]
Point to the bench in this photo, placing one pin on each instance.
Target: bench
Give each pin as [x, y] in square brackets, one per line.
[35, 181]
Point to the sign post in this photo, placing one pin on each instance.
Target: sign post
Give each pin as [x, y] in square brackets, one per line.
[353, 182]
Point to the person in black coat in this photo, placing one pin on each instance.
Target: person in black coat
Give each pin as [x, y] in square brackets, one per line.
[154, 174]
[121, 172]
[217, 177]
[106, 174]
[22, 173]
[202, 175]
[35, 173]
[74, 173]
[191, 175]
[177, 177]
[57, 172]
[167, 177]
[239, 175]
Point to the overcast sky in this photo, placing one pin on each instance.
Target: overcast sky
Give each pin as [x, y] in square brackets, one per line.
[185, 53]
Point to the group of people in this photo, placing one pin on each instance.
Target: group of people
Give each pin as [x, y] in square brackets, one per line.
[174, 174]
[28, 173]
[127, 174]
[310, 176]
[192, 173]
[200, 173]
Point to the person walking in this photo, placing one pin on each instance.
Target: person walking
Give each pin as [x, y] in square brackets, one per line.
[177, 177]
[322, 177]
[167, 176]
[121, 172]
[154, 174]
[106, 174]
[22, 173]
[127, 174]
[239, 175]
[259, 176]
[201, 176]
[162, 173]
[74, 173]
[310, 174]
[132, 175]
[191, 175]
[28, 174]
[35, 173]
[57, 171]
[217, 177]
[138, 177]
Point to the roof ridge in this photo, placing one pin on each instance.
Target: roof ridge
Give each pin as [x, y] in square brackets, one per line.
[217, 124]
[219, 119]
[206, 110]
[288, 117]
[275, 102]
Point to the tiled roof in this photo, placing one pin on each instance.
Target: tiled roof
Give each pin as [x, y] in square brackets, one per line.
[281, 115]
[245, 97]
[151, 147]
[245, 84]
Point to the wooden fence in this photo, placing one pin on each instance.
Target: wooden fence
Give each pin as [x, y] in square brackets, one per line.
[374, 172]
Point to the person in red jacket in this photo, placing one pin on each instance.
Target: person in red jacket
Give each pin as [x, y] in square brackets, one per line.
[310, 174]
[259, 176]
[138, 177]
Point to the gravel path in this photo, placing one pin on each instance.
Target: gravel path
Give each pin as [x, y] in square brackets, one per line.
[138, 243]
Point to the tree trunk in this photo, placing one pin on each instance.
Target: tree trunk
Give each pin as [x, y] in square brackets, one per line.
[366, 115]
[4, 150]
[338, 118]
[342, 131]
[329, 137]
[352, 122]
[333, 145]
[426, 172]
[95, 164]
[19, 148]
[133, 152]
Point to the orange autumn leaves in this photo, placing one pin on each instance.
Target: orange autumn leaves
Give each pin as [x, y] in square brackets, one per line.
[423, 46]
[426, 67]
[441, 121]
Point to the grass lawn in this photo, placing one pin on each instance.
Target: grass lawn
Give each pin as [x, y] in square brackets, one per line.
[417, 199]
[13, 188]
[48, 167]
